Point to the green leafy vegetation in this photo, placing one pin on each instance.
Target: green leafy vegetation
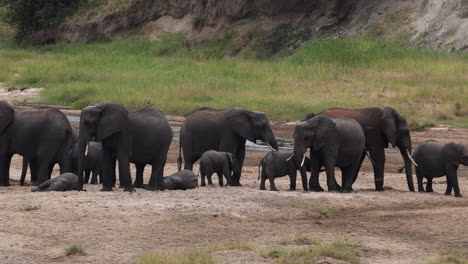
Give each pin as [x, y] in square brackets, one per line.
[339, 249]
[313, 207]
[298, 240]
[451, 257]
[29, 207]
[75, 250]
[27, 16]
[234, 246]
[177, 76]
[187, 257]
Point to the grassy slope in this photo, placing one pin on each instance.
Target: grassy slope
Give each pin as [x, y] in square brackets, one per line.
[426, 87]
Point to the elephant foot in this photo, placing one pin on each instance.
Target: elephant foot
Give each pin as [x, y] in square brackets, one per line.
[236, 184]
[139, 185]
[152, 188]
[421, 190]
[429, 190]
[262, 188]
[129, 189]
[4, 184]
[317, 189]
[458, 195]
[292, 189]
[274, 189]
[379, 189]
[347, 190]
[106, 189]
[448, 193]
[305, 189]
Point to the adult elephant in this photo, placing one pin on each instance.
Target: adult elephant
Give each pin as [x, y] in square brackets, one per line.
[151, 138]
[223, 130]
[109, 124]
[40, 136]
[27, 162]
[381, 127]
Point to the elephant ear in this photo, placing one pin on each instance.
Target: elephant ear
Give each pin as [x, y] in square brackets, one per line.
[325, 128]
[241, 122]
[6, 115]
[113, 119]
[389, 124]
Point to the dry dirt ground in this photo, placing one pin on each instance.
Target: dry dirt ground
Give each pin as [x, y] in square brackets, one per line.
[396, 226]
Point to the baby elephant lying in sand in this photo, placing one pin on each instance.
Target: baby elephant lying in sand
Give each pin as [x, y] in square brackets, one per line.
[65, 182]
[181, 180]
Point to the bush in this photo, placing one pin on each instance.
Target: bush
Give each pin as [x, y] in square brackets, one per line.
[32, 15]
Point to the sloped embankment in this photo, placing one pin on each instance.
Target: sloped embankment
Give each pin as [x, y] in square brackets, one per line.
[432, 23]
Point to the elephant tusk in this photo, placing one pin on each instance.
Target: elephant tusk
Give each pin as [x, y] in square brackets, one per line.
[290, 157]
[86, 151]
[411, 158]
[272, 149]
[303, 159]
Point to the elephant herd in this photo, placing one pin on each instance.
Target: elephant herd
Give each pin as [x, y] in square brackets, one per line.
[108, 133]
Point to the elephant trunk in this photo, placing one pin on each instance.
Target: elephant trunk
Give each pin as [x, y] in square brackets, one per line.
[405, 153]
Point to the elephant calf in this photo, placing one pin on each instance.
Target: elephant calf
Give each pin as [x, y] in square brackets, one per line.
[222, 163]
[435, 159]
[181, 180]
[92, 162]
[65, 182]
[277, 164]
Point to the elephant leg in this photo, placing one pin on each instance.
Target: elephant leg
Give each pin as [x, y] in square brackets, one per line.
[240, 156]
[347, 176]
[5, 162]
[429, 185]
[113, 175]
[24, 171]
[44, 161]
[303, 173]
[140, 168]
[358, 167]
[263, 178]
[95, 173]
[271, 178]
[108, 169]
[314, 184]
[220, 179]
[87, 173]
[33, 167]
[419, 177]
[156, 181]
[210, 182]
[50, 170]
[377, 154]
[448, 191]
[452, 175]
[292, 178]
[202, 175]
[331, 180]
[125, 177]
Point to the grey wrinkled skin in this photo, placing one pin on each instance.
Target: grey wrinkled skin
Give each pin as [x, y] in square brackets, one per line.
[181, 180]
[92, 162]
[221, 163]
[65, 182]
[436, 159]
[278, 164]
[337, 142]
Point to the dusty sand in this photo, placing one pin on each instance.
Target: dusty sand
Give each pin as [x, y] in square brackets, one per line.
[116, 227]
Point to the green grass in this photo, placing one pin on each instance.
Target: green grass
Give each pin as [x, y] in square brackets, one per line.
[177, 76]
[187, 257]
[339, 249]
[451, 257]
[234, 246]
[317, 208]
[29, 207]
[298, 240]
[75, 250]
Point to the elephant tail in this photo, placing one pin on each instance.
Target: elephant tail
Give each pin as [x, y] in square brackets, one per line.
[179, 159]
[400, 170]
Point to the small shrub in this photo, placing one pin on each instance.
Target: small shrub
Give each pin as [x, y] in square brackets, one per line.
[312, 207]
[75, 250]
[297, 240]
[451, 257]
[338, 249]
[234, 246]
[29, 207]
[188, 257]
